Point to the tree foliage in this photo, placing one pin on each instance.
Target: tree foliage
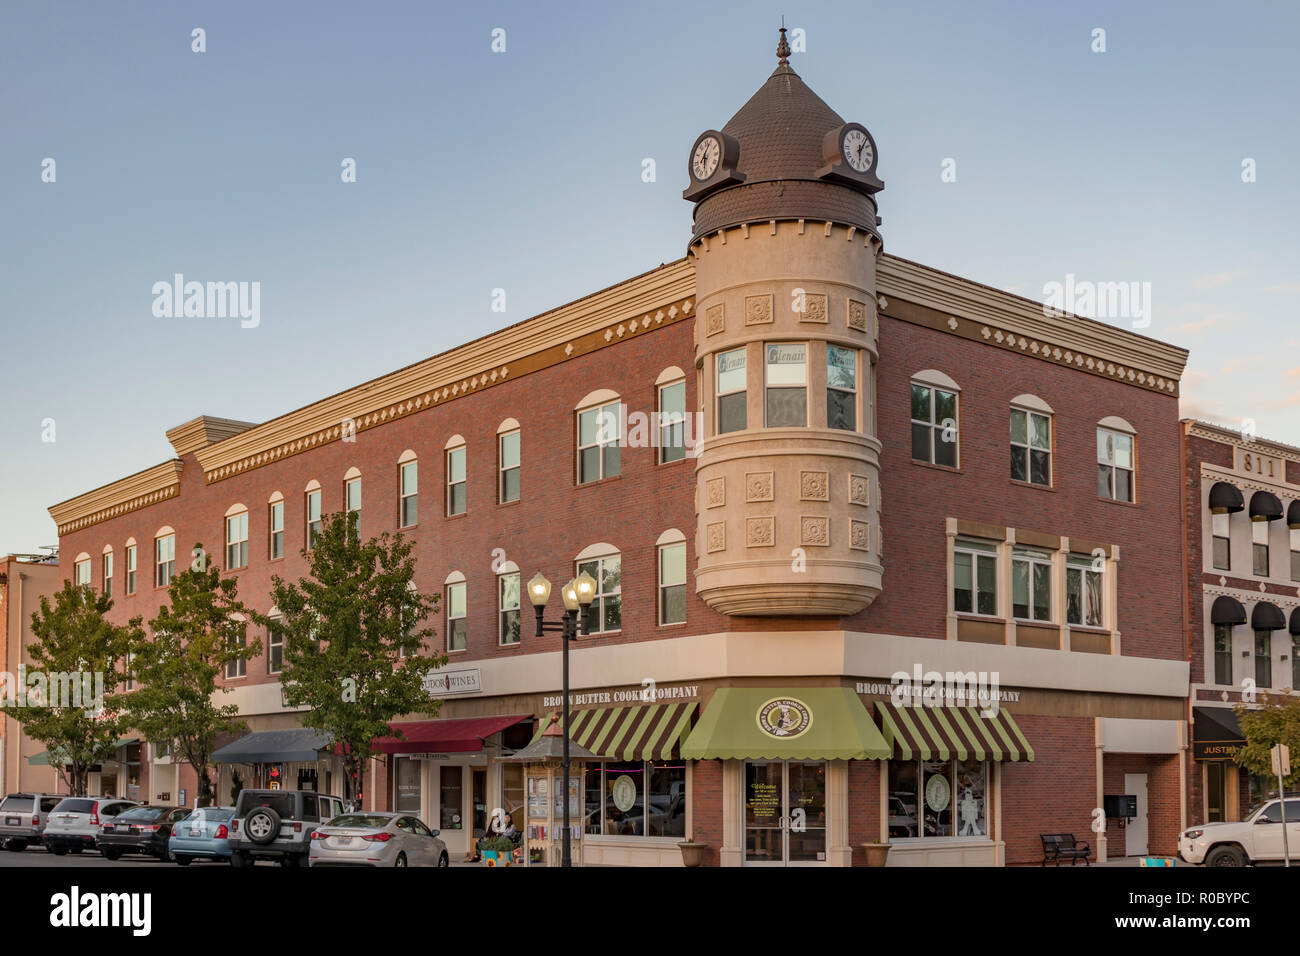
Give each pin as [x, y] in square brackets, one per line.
[1274, 720]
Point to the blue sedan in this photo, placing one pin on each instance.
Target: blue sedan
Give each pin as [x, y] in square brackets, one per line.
[204, 834]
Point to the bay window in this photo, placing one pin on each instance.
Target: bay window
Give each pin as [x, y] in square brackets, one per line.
[1083, 591]
[732, 415]
[975, 577]
[841, 388]
[1031, 584]
[785, 401]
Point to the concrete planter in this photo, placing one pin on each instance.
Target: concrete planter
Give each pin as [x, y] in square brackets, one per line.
[877, 853]
[693, 853]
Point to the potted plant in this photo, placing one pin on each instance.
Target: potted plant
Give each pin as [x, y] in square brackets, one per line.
[877, 852]
[693, 853]
[496, 850]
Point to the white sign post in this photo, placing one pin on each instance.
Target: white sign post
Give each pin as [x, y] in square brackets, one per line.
[1281, 757]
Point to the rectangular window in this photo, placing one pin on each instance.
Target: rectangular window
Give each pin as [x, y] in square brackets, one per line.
[975, 577]
[934, 425]
[274, 647]
[841, 388]
[450, 812]
[1259, 547]
[82, 572]
[130, 568]
[636, 799]
[165, 559]
[1031, 447]
[1031, 584]
[239, 666]
[508, 452]
[1222, 541]
[786, 392]
[1083, 590]
[457, 628]
[934, 799]
[1223, 654]
[410, 494]
[130, 672]
[732, 416]
[598, 437]
[237, 541]
[107, 574]
[456, 481]
[606, 611]
[672, 583]
[1295, 554]
[672, 422]
[508, 608]
[352, 501]
[275, 522]
[1264, 659]
[313, 517]
[1115, 465]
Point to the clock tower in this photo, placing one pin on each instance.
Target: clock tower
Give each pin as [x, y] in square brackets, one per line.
[784, 247]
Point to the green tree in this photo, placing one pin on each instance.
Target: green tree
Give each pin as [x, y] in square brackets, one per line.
[79, 655]
[193, 639]
[353, 639]
[1274, 720]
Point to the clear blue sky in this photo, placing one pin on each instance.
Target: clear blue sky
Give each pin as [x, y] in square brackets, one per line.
[522, 170]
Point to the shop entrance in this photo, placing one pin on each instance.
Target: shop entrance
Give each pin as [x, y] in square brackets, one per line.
[785, 812]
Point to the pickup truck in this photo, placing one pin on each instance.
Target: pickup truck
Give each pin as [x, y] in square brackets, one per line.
[1255, 840]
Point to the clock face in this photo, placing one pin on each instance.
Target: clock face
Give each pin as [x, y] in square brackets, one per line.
[858, 152]
[705, 160]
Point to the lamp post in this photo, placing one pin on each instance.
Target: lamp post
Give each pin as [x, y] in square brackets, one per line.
[578, 595]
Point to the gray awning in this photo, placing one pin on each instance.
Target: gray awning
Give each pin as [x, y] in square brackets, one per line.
[301, 745]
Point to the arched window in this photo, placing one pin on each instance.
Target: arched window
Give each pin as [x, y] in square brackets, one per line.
[508, 625]
[352, 495]
[508, 461]
[457, 619]
[603, 562]
[936, 426]
[1031, 440]
[311, 496]
[408, 481]
[164, 544]
[106, 570]
[600, 430]
[275, 526]
[457, 499]
[81, 570]
[670, 388]
[236, 537]
[274, 642]
[1116, 459]
[132, 559]
[671, 549]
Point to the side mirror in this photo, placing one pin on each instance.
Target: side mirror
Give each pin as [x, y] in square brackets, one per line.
[436, 832]
[1263, 819]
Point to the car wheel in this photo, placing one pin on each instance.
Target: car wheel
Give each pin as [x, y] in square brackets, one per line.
[239, 859]
[58, 850]
[443, 861]
[400, 861]
[15, 846]
[183, 860]
[1225, 856]
[262, 825]
[111, 853]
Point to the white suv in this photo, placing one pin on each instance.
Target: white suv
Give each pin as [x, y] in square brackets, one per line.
[1257, 839]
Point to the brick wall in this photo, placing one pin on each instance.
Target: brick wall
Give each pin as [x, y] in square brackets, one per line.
[864, 806]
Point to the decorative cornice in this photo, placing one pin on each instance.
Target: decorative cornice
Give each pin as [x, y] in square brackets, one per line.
[631, 308]
[925, 296]
[204, 431]
[1226, 435]
[127, 494]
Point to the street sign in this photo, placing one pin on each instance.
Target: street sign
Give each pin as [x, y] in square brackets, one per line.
[1281, 757]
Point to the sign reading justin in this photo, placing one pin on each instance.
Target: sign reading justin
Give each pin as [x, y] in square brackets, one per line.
[784, 717]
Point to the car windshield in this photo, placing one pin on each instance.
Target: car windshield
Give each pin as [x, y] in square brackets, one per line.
[281, 803]
[360, 820]
[143, 813]
[75, 806]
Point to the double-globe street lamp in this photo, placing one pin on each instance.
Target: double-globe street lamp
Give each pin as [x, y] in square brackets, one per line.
[578, 595]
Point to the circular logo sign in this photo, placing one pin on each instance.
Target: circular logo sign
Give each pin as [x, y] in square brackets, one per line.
[784, 717]
[623, 792]
[937, 793]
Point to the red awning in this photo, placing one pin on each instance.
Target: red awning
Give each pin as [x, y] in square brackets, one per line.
[456, 736]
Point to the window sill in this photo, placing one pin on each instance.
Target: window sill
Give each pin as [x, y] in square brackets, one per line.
[599, 634]
[509, 504]
[679, 461]
[1030, 622]
[625, 839]
[970, 616]
[673, 624]
[465, 650]
[597, 481]
[955, 470]
[408, 527]
[1031, 484]
[463, 514]
[1116, 501]
[518, 643]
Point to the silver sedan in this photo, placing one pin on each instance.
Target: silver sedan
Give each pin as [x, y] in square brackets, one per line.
[376, 839]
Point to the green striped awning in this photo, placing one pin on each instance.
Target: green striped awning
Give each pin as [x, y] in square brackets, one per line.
[640, 732]
[945, 733]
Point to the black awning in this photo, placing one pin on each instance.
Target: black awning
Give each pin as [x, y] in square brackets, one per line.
[1225, 498]
[1227, 610]
[1294, 624]
[299, 745]
[1216, 734]
[1265, 506]
[1267, 617]
[1293, 514]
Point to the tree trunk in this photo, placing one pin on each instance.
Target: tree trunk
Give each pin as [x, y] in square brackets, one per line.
[205, 784]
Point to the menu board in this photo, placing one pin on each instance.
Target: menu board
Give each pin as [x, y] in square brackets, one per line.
[763, 802]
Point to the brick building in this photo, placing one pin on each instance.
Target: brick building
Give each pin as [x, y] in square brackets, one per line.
[885, 472]
[24, 580]
[1242, 506]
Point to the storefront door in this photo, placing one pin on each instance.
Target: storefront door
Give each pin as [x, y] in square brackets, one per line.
[785, 812]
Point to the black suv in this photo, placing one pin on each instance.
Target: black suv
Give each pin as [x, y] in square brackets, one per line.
[277, 825]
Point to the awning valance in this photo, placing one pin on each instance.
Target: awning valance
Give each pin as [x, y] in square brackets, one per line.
[1293, 514]
[42, 759]
[946, 733]
[1267, 617]
[1265, 506]
[297, 745]
[458, 735]
[785, 723]
[1227, 610]
[1225, 498]
[639, 732]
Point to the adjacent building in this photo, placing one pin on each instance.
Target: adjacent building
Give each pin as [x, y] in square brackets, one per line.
[24, 580]
[882, 553]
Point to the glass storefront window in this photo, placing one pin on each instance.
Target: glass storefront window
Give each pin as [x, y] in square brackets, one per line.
[449, 799]
[406, 785]
[938, 798]
[636, 799]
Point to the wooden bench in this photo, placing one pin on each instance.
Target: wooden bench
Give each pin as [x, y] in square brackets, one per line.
[1063, 846]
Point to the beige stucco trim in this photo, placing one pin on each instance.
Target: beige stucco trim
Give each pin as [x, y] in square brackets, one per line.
[1116, 423]
[1033, 403]
[236, 510]
[128, 494]
[455, 441]
[312, 485]
[353, 472]
[598, 397]
[671, 536]
[932, 376]
[456, 577]
[509, 425]
[671, 374]
[274, 498]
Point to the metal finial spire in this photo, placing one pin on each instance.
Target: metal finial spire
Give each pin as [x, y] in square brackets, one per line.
[783, 48]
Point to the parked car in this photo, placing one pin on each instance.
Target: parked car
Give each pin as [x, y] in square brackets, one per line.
[277, 825]
[377, 839]
[203, 835]
[23, 817]
[145, 830]
[1257, 839]
[74, 824]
